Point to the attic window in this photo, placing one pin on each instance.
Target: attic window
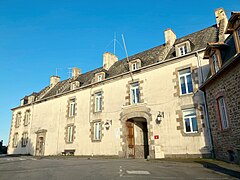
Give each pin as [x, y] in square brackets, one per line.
[135, 64]
[183, 48]
[215, 63]
[99, 77]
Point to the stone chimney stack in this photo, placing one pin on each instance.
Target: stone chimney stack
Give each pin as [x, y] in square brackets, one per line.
[170, 37]
[222, 21]
[54, 80]
[75, 72]
[108, 60]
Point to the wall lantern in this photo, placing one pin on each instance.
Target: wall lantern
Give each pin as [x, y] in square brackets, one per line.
[107, 124]
[159, 117]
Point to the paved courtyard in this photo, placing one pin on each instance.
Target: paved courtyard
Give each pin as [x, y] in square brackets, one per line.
[27, 167]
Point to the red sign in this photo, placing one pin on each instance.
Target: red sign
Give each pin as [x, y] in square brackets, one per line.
[156, 137]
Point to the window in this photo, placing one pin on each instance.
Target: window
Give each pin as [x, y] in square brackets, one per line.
[15, 140]
[27, 118]
[97, 131]
[222, 113]
[72, 107]
[24, 139]
[183, 50]
[134, 93]
[185, 79]
[70, 134]
[18, 120]
[215, 63]
[134, 66]
[98, 102]
[99, 78]
[190, 121]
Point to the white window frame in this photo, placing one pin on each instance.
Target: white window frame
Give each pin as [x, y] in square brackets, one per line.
[215, 62]
[191, 118]
[99, 77]
[72, 107]
[134, 66]
[15, 139]
[185, 75]
[183, 50]
[24, 139]
[98, 102]
[134, 93]
[27, 117]
[97, 131]
[223, 113]
[70, 134]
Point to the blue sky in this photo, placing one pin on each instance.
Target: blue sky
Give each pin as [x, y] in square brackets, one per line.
[36, 37]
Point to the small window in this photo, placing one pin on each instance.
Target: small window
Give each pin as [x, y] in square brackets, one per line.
[72, 107]
[24, 139]
[27, 118]
[15, 140]
[223, 113]
[70, 134]
[134, 66]
[185, 79]
[183, 50]
[190, 121]
[98, 102]
[18, 120]
[99, 78]
[215, 63]
[97, 131]
[134, 90]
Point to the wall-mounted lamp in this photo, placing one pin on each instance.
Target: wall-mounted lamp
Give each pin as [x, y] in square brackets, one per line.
[159, 117]
[107, 124]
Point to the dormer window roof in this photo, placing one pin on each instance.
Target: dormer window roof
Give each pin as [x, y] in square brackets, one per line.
[135, 64]
[183, 48]
[99, 76]
[233, 22]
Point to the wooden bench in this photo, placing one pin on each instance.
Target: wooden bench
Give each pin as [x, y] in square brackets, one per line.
[68, 152]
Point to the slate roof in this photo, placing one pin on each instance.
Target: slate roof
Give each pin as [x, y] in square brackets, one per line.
[198, 40]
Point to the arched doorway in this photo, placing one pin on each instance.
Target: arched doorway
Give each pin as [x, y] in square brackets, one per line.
[136, 132]
[137, 138]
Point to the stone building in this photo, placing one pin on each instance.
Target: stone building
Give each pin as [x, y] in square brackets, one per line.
[222, 90]
[147, 105]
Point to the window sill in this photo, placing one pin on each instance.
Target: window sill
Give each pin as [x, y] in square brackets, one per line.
[94, 140]
[192, 133]
[188, 94]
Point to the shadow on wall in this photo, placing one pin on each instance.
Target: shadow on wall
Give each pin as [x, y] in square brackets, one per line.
[198, 98]
[217, 168]
[21, 149]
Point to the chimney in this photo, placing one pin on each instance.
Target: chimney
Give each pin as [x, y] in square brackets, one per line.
[222, 21]
[75, 72]
[108, 60]
[54, 80]
[170, 37]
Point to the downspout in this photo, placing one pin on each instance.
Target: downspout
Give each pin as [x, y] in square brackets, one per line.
[205, 107]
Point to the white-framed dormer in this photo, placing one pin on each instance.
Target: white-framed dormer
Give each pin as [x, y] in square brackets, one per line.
[183, 48]
[99, 77]
[135, 64]
[74, 85]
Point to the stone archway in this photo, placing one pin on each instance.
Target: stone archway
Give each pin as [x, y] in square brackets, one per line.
[131, 114]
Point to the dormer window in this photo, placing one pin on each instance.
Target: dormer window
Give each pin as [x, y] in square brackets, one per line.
[75, 85]
[135, 64]
[183, 48]
[215, 63]
[99, 77]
